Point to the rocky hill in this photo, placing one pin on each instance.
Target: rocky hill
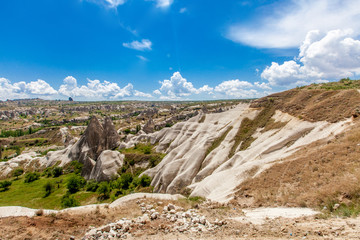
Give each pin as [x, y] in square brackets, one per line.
[213, 155]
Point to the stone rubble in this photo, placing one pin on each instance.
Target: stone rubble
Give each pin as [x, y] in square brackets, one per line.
[176, 220]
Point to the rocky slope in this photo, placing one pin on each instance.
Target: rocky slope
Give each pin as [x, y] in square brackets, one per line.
[210, 155]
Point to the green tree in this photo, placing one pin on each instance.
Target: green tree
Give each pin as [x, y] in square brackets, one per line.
[75, 183]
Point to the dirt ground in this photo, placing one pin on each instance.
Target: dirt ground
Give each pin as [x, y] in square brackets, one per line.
[74, 226]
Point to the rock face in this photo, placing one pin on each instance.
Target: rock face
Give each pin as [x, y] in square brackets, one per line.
[198, 152]
[106, 165]
[96, 139]
[149, 127]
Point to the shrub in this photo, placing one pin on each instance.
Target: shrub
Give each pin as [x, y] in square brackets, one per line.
[4, 185]
[144, 180]
[39, 212]
[104, 190]
[31, 176]
[47, 172]
[75, 183]
[57, 171]
[18, 172]
[92, 186]
[125, 180]
[69, 201]
[75, 167]
[49, 187]
[147, 149]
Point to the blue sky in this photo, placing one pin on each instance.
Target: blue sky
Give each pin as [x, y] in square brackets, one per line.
[173, 49]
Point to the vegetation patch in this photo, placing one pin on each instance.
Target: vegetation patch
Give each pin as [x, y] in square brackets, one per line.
[248, 127]
[218, 141]
[202, 119]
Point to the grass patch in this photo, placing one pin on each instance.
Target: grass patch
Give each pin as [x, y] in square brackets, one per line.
[248, 128]
[202, 119]
[32, 194]
[271, 124]
[345, 83]
[218, 141]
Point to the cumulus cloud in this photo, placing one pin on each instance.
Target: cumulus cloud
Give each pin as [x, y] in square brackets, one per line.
[157, 92]
[322, 57]
[288, 23]
[142, 94]
[38, 88]
[177, 87]
[96, 90]
[206, 88]
[236, 88]
[145, 44]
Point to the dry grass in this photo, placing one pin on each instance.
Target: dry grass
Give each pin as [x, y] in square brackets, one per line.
[248, 128]
[314, 104]
[313, 176]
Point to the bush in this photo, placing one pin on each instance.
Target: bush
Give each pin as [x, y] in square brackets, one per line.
[147, 149]
[4, 185]
[18, 172]
[75, 183]
[69, 201]
[31, 176]
[76, 167]
[144, 181]
[92, 186]
[104, 190]
[49, 187]
[57, 171]
[125, 180]
[47, 172]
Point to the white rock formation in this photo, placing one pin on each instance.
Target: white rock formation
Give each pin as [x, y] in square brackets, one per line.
[213, 175]
[107, 165]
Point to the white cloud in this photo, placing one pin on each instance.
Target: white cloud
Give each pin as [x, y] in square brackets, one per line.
[183, 10]
[177, 87]
[329, 56]
[38, 88]
[142, 94]
[206, 88]
[163, 3]
[109, 3]
[97, 90]
[115, 3]
[232, 85]
[262, 85]
[157, 92]
[236, 88]
[145, 44]
[289, 23]
[142, 58]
